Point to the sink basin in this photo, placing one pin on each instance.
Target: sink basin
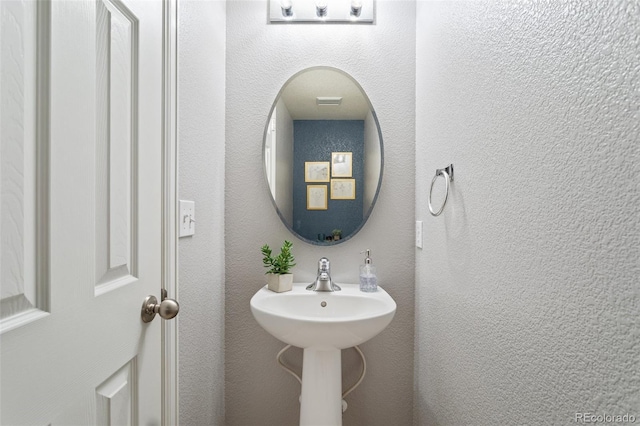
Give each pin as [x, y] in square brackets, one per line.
[322, 323]
[340, 319]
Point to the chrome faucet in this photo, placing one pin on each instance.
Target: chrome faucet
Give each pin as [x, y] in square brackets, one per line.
[323, 281]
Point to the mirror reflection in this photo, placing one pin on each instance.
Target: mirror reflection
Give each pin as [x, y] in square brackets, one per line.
[323, 155]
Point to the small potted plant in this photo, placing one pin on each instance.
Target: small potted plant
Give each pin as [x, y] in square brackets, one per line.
[279, 273]
[337, 234]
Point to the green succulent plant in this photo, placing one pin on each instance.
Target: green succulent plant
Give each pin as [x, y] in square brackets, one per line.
[280, 264]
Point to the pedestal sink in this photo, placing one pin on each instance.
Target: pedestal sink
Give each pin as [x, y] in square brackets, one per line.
[322, 323]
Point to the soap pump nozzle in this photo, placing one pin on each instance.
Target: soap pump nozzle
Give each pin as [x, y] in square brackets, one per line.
[367, 259]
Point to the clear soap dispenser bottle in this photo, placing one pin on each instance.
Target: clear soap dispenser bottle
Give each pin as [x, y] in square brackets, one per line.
[368, 278]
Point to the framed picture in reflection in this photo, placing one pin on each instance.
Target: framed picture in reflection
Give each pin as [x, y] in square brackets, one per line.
[316, 171]
[343, 189]
[341, 164]
[316, 197]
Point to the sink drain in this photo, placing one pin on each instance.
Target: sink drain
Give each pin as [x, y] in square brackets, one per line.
[323, 304]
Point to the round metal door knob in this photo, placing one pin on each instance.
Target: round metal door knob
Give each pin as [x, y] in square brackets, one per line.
[167, 309]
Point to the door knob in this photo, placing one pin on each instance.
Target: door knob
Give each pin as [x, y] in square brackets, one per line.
[167, 309]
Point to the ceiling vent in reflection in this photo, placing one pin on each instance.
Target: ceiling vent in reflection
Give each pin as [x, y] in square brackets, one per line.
[328, 100]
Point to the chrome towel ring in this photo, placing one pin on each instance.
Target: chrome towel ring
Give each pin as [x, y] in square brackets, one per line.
[447, 173]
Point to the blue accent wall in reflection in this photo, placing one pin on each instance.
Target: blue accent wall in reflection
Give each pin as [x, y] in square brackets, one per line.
[315, 140]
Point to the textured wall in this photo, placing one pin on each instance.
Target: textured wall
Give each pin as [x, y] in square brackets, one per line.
[528, 288]
[260, 59]
[201, 257]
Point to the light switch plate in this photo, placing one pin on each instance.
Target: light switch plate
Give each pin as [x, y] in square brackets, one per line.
[187, 218]
[419, 234]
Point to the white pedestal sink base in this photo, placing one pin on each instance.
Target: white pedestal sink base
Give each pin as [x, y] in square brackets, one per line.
[321, 398]
[322, 323]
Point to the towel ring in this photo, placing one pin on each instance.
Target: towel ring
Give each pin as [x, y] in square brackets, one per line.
[447, 173]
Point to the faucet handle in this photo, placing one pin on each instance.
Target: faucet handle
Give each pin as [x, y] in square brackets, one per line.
[324, 265]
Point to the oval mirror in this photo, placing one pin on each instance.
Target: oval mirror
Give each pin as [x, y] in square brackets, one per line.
[323, 155]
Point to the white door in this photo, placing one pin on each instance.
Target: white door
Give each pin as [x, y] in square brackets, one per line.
[80, 211]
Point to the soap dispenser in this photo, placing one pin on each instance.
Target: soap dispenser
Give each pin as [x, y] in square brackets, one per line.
[368, 278]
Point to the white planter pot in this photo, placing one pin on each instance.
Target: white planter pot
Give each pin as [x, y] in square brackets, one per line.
[280, 283]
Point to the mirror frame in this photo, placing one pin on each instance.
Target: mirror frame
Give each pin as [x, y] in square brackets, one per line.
[264, 170]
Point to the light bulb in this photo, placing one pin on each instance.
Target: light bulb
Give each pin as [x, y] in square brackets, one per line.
[321, 8]
[287, 8]
[356, 8]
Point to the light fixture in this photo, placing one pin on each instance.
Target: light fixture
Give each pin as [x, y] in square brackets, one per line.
[356, 8]
[321, 11]
[287, 8]
[321, 8]
[328, 100]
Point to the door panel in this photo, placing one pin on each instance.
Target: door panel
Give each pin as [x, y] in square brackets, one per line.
[23, 275]
[89, 231]
[116, 398]
[117, 129]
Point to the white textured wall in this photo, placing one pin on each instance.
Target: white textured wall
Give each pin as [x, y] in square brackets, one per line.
[201, 135]
[528, 288]
[260, 59]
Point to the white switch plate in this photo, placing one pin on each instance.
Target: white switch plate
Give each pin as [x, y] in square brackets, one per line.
[419, 233]
[187, 218]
